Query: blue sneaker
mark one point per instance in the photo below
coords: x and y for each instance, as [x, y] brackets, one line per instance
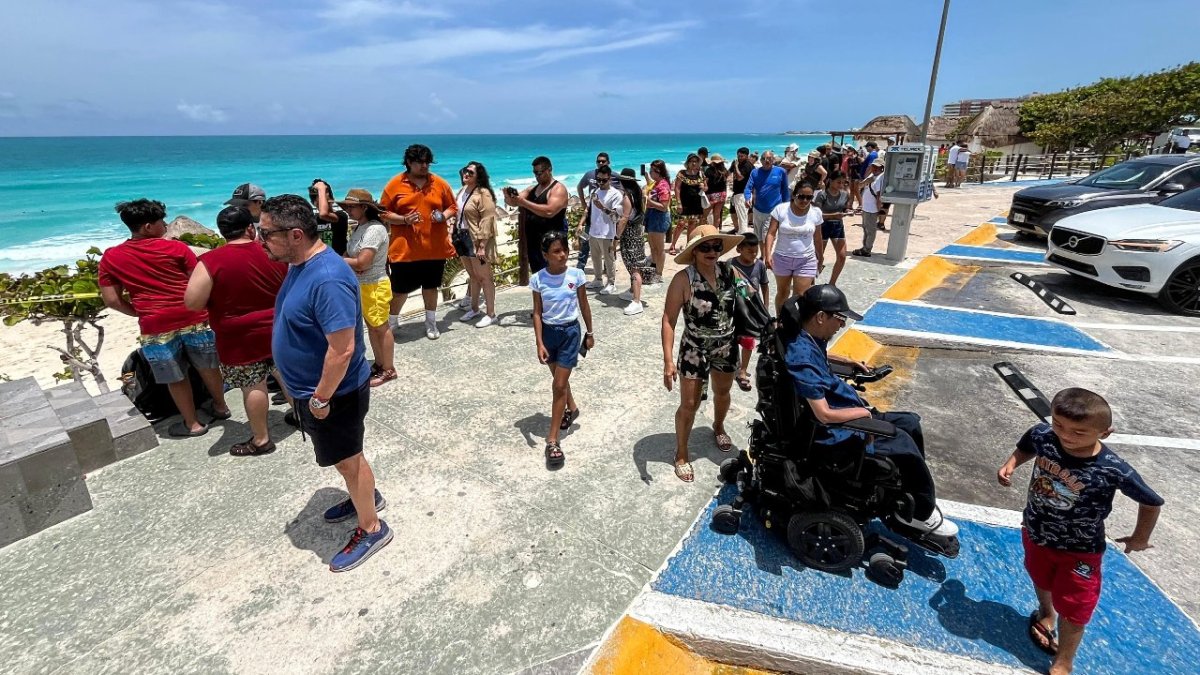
[345, 509]
[362, 545]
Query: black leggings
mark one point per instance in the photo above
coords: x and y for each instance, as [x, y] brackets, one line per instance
[907, 452]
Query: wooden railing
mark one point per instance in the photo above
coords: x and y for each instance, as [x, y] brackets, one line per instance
[983, 168]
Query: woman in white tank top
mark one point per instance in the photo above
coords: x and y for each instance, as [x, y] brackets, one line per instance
[793, 240]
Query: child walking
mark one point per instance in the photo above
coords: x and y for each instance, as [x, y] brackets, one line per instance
[755, 272]
[559, 300]
[1075, 477]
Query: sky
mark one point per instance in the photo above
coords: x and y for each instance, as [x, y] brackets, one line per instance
[199, 67]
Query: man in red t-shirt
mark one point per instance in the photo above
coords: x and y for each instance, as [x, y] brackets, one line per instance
[237, 284]
[146, 277]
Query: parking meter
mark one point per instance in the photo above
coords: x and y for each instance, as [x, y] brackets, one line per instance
[908, 174]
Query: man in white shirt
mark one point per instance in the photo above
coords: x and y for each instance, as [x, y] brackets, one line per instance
[961, 160]
[951, 171]
[609, 213]
[874, 211]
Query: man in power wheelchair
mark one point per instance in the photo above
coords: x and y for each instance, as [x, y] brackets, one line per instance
[822, 463]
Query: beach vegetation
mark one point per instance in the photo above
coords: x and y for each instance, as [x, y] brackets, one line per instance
[202, 240]
[67, 296]
[1113, 111]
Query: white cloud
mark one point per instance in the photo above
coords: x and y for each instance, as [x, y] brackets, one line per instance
[606, 46]
[441, 107]
[366, 11]
[202, 112]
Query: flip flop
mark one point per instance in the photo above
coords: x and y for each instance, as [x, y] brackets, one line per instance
[1037, 630]
[724, 442]
[180, 430]
[744, 383]
[684, 472]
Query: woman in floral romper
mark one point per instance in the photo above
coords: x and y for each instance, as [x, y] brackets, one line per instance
[704, 291]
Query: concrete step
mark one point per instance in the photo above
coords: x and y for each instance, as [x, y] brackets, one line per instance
[41, 482]
[131, 432]
[85, 424]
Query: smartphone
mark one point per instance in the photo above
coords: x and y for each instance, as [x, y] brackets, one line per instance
[643, 169]
[583, 350]
[512, 191]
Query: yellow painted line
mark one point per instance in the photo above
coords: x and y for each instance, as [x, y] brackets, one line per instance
[926, 276]
[980, 236]
[857, 345]
[637, 648]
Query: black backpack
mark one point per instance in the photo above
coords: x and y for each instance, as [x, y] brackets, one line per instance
[151, 398]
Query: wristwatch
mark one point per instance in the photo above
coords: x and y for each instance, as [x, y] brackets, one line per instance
[318, 403]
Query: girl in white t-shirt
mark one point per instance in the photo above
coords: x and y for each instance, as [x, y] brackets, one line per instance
[794, 245]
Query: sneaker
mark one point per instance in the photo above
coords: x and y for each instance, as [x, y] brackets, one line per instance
[464, 303]
[289, 418]
[383, 377]
[626, 296]
[608, 290]
[431, 331]
[485, 321]
[594, 285]
[634, 308]
[344, 509]
[470, 315]
[935, 524]
[362, 545]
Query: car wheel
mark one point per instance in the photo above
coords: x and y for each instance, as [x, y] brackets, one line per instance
[1181, 293]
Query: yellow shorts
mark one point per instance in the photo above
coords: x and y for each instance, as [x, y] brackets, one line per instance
[376, 301]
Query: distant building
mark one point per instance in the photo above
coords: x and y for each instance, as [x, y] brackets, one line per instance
[973, 106]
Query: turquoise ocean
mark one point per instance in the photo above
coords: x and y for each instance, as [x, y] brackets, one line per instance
[57, 194]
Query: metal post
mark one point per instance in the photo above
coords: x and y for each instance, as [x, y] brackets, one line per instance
[1053, 161]
[937, 59]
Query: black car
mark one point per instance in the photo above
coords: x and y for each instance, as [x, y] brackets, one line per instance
[1144, 180]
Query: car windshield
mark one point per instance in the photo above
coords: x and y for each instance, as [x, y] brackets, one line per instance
[1189, 200]
[1126, 175]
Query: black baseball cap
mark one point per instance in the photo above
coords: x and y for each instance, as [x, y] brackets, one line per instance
[232, 221]
[829, 299]
[246, 192]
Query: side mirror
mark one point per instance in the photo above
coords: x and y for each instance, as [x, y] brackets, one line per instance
[1171, 188]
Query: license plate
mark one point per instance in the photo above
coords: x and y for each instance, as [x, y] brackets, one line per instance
[1018, 217]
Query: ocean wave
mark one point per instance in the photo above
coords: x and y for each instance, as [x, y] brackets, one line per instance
[56, 250]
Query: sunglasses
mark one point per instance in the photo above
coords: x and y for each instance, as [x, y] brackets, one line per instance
[263, 233]
[601, 161]
[803, 198]
[468, 172]
[710, 247]
[839, 316]
[603, 180]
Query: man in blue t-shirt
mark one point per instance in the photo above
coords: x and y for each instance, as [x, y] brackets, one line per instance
[766, 189]
[317, 344]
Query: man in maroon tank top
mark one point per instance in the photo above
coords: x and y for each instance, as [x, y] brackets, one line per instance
[238, 283]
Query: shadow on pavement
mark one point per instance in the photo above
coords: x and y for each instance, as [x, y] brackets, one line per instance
[993, 622]
[661, 448]
[309, 531]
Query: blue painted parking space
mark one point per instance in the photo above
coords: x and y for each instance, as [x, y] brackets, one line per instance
[999, 220]
[978, 326]
[1001, 255]
[974, 606]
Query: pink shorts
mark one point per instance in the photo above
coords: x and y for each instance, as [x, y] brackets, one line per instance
[787, 266]
[716, 199]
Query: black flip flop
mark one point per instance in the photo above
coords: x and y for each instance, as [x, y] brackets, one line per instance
[1036, 629]
[554, 456]
[180, 430]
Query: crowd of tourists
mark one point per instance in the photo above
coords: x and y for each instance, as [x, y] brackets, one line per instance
[299, 282]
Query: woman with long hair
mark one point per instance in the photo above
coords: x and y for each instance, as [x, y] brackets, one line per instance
[689, 185]
[475, 240]
[633, 243]
[658, 215]
[835, 204]
[716, 174]
[814, 172]
[793, 242]
[366, 253]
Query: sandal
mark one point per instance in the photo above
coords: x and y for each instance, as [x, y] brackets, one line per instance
[222, 415]
[383, 376]
[554, 456]
[247, 448]
[180, 430]
[1043, 638]
[724, 442]
[684, 472]
[569, 418]
[743, 382]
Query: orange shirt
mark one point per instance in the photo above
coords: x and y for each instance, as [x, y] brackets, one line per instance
[425, 240]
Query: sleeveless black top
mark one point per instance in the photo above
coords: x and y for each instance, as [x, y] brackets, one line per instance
[557, 222]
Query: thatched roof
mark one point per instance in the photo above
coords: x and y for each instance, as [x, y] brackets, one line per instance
[997, 126]
[941, 128]
[888, 125]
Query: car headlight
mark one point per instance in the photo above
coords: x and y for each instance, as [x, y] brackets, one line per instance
[1145, 245]
[1065, 203]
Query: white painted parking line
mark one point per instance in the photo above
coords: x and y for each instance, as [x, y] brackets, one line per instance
[1139, 327]
[1155, 441]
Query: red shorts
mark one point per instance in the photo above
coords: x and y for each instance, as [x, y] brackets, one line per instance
[1072, 578]
[746, 342]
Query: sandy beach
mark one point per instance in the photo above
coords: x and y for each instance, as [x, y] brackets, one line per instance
[24, 351]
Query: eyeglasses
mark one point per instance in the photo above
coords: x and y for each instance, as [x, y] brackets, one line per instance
[536, 172]
[803, 198]
[603, 181]
[710, 247]
[263, 233]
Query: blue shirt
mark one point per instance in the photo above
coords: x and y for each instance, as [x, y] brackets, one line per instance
[769, 189]
[866, 164]
[1069, 497]
[318, 297]
[560, 294]
[808, 363]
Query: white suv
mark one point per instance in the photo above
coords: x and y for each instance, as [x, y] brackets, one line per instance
[1182, 139]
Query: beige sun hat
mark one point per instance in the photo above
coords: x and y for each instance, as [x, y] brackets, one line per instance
[358, 197]
[707, 233]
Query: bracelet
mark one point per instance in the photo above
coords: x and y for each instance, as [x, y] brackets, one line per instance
[588, 335]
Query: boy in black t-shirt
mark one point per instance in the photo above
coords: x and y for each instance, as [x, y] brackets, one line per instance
[1075, 477]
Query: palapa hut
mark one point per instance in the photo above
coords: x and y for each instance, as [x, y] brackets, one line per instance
[941, 129]
[998, 128]
[884, 130]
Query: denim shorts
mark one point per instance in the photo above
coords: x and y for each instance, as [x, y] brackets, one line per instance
[169, 353]
[657, 222]
[833, 229]
[562, 343]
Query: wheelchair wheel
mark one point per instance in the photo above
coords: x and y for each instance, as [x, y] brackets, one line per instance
[826, 540]
[884, 570]
[730, 469]
[726, 519]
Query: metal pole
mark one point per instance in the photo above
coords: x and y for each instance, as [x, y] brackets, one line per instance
[937, 59]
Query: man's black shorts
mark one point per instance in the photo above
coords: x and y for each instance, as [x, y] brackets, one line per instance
[340, 435]
[407, 277]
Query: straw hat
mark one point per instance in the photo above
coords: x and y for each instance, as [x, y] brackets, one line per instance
[358, 197]
[707, 233]
[716, 158]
